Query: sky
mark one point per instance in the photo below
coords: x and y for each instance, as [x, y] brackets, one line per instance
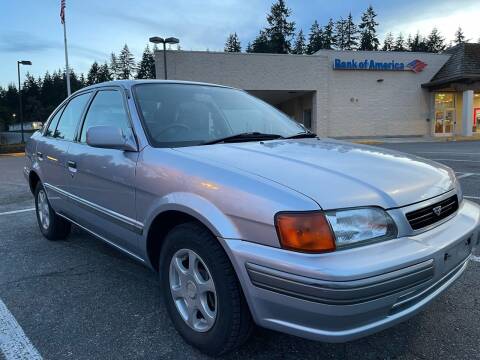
[31, 29]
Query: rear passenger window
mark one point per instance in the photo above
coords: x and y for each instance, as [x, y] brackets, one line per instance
[53, 123]
[70, 117]
[106, 110]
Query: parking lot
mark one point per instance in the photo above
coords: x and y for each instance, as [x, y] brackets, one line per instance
[80, 299]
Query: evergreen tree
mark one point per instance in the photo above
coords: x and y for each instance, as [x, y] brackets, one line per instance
[146, 68]
[93, 74]
[233, 43]
[435, 42]
[399, 43]
[315, 42]
[279, 30]
[32, 107]
[459, 36]
[340, 33]
[114, 66]
[299, 46]
[261, 44]
[351, 34]
[418, 43]
[328, 35]
[126, 63]
[368, 36]
[388, 43]
[249, 48]
[104, 73]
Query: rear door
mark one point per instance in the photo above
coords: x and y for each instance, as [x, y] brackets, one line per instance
[103, 180]
[53, 146]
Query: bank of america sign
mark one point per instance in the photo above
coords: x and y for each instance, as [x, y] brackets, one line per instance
[369, 64]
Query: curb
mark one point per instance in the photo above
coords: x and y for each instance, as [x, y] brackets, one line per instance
[16, 154]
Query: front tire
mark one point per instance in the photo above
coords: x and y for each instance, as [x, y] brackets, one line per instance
[201, 291]
[52, 226]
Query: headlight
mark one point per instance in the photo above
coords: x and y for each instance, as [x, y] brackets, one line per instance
[325, 231]
[358, 225]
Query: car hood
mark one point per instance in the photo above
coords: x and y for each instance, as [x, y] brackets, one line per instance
[333, 173]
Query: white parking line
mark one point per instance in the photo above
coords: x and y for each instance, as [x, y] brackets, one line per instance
[16, 211]
[461, 160]
[465, 175]
[444, 152]
[14, 344]
[475, 258]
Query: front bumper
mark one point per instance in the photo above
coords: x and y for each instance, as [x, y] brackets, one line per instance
[348, 294]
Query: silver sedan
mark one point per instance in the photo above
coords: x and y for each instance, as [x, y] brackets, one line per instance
[247, 216]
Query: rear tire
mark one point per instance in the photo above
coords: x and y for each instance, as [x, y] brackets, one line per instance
[226, 323]
[52, 226]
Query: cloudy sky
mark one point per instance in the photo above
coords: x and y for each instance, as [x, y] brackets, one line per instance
[31, 29]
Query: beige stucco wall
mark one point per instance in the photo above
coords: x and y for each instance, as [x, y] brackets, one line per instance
[363, 106]
[344, 102]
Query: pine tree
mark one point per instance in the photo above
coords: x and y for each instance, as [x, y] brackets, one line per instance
[126, 63]
[340, 33]
[418, 43]
[279, 30]
[315, 38]
[92, 76]
[114, 66]
[351, 34]
[233, 43]
[368, 36]
[459, 36]
[435, 42]
[399, 43]
[104, 73]
[328, 35]
[146, 68]
[388, 43]
[299, 47]
[261, 43]
[249, 48]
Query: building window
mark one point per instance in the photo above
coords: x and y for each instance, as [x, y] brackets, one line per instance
[444, 113]
[307, 118]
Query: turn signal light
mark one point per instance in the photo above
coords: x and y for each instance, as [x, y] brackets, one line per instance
[306, 232]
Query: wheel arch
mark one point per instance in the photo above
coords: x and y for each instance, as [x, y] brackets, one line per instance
[33, 180]
[186, 208]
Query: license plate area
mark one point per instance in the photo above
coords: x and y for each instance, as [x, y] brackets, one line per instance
[457, 254]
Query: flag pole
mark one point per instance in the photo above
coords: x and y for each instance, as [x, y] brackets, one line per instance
[67, 69]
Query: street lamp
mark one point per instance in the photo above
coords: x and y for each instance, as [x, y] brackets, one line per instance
[21, 62]
[159, 40]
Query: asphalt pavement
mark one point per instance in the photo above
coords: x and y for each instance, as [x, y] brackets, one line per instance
[81, 299]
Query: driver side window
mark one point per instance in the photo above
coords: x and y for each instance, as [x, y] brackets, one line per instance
[106, 109]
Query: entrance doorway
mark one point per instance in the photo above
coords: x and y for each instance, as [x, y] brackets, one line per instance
[445, 114]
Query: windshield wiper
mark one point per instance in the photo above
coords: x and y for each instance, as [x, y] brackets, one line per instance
[306, 134]
[246, 136]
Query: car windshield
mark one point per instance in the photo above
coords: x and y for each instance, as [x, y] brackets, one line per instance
[188, 114]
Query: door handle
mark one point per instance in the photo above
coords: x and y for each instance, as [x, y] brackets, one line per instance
[72, 164]
[40, 155]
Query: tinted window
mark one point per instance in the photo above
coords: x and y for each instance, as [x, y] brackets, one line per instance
[70, 117]
[106, 110]
[184, 114]
[53, 123]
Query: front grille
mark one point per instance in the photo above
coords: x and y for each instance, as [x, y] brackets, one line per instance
[431, 214]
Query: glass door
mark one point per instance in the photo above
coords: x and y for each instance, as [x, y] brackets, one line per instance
[444, 113]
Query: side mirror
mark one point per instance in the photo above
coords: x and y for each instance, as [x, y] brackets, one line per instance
[111, 137]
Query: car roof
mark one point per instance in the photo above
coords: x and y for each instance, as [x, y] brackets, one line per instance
[129, 83]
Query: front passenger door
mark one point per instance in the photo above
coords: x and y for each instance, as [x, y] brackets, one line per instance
[103, 180]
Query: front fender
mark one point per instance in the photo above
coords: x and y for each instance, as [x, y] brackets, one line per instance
[196, 206]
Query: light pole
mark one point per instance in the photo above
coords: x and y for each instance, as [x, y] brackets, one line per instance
[21, 62]
[159, 40]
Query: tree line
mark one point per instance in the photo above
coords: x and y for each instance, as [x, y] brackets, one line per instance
[43, 94]
[279, 36]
